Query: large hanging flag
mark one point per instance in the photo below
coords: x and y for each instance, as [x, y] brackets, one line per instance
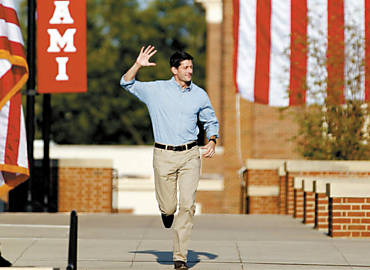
[275, 60]
[13, 75]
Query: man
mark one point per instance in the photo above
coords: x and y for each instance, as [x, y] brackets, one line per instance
[174, 106]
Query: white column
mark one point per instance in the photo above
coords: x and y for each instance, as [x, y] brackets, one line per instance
[213, 10]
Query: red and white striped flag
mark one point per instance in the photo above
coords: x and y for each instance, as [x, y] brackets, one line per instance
[13, 74]
[265, 30]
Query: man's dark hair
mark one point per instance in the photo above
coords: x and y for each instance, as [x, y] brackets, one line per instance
[178, 57]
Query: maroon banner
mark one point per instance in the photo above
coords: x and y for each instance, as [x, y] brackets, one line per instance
[61, 46]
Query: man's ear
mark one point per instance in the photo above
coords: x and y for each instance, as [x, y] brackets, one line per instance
[174, 70]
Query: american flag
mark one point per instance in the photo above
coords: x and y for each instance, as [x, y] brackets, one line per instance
[13, 75]
[273, 52]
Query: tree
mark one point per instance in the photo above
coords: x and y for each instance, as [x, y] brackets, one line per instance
[116, 30]
[328, 129]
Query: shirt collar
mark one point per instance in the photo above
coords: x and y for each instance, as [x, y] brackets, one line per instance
[187, 89]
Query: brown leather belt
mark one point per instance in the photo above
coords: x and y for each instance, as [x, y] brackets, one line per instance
[176, 148]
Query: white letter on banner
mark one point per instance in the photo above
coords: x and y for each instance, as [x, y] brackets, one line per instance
[62, 69]
[67, 40]
[61, 11]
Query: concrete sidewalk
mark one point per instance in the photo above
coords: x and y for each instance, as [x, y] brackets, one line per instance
[123, 241]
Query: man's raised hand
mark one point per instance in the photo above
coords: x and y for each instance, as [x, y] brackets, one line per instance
[141, 61]
[144, 56]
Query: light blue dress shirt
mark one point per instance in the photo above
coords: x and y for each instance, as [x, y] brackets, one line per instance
[174, 110]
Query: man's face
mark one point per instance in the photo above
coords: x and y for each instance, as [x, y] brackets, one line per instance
[185, 71]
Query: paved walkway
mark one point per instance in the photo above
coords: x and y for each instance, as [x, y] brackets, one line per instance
[120, 241]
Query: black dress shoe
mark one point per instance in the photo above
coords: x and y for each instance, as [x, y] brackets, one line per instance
[180, 265]
[167, 220]
[4, 263]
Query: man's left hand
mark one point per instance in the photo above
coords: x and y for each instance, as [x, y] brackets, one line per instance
[210, 149]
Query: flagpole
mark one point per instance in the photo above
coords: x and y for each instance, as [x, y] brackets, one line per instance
[46, 125]
[31, 92]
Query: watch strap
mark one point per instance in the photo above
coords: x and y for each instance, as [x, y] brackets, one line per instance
[214, 140]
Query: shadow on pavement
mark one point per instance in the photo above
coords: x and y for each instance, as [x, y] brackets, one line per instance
[165, 257]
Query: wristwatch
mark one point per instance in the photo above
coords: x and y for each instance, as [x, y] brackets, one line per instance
[213, 140]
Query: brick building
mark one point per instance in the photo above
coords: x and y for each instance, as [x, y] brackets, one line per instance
[248, 130]
[254, 137]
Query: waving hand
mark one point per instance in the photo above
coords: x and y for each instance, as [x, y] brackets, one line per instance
[144, 56]
[141, 61]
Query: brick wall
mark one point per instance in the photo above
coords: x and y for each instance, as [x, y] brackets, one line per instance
[262, 204]
[290, 183]
[263, 177]
[85, 185]
[309, 208]
[289, 195]
[346, 216]
[213, 71]
[321, 211]
[282, 195]
[262, 186]
[232, 191]
[349, 217]
[271, 137]
[214, 165]
[320, 188]
[298, 203]
[211, 201]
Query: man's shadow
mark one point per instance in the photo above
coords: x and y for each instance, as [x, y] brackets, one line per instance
[165, 257]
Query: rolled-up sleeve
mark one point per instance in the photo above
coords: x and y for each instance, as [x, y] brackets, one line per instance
[137, 88]
[208, 117]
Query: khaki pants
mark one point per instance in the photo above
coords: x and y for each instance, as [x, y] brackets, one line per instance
[182, 169]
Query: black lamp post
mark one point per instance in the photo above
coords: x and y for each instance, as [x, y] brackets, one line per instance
[31, 93]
